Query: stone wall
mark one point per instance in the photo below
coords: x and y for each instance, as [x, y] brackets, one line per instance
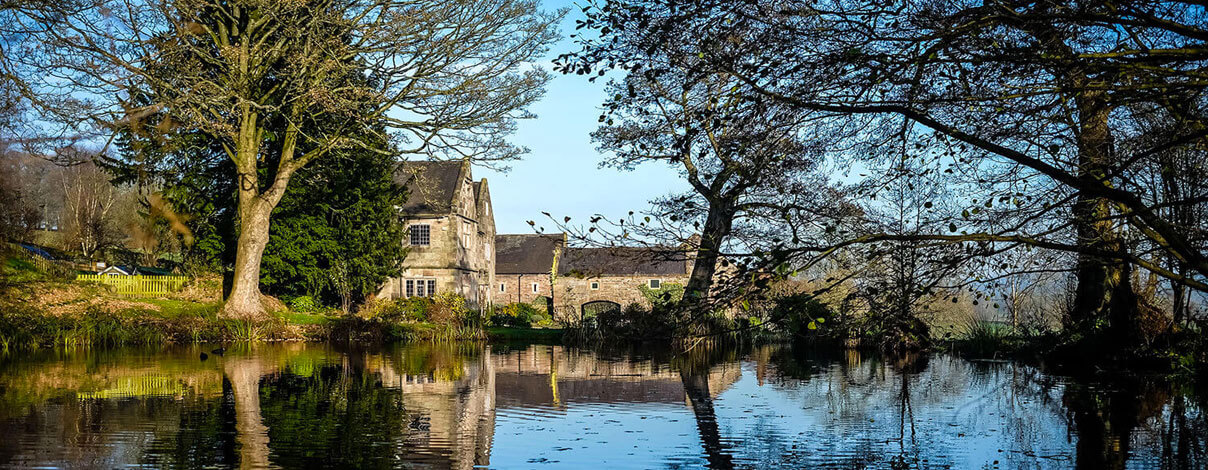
[519, 288]
[570, 293]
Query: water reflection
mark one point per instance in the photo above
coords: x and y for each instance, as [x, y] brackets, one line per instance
[462, 406]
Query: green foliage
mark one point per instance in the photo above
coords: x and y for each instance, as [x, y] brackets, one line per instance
[337, 234]
[802, 315]
[303, 303]
[449, 309]
[411, 309]
[667, 295]
[635, 321]
[22, 328]
[519, 314]
[983, 338]
[444, 317]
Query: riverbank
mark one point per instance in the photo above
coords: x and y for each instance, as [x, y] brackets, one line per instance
[39, 310]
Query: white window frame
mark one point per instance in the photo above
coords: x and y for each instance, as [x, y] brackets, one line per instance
[503, 287]
[419, 287]
[595, 285]
[651, 283]
[536, 287]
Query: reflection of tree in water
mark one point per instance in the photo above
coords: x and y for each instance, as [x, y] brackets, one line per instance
[907, 366]
[335, 418]
[1110, 420]
[205, 438]
[694, 366]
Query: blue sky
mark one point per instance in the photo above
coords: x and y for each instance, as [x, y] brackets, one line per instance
[561, 174]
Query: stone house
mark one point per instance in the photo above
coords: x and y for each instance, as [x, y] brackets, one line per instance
[454, 248]
[451, 233]
[523, 267]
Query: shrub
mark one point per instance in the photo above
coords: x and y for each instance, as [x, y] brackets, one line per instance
[635, 321]
[667, 295]
[520, 315]
[303, 303]
[515, 314]
[803, 316]
[449, 309]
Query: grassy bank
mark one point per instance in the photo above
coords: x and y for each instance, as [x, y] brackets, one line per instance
[42, 310]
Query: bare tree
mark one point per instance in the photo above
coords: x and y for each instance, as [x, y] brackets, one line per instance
[88, 204]
[1028, 102]
[283, 84]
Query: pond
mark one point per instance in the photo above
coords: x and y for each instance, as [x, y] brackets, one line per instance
[537, 406]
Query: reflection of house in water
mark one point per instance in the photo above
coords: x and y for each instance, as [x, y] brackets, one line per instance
[451, 419]
[278, 405]
[552, 375]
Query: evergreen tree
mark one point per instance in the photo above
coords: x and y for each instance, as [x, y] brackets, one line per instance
[339, 234]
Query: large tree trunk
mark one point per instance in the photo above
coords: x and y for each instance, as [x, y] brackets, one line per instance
[1103, 287]
[718, 224]
[244, 302]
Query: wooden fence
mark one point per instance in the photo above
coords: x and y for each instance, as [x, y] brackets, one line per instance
[53, 267]
[141, 286]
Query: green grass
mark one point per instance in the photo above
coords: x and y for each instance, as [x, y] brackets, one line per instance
[17, 270]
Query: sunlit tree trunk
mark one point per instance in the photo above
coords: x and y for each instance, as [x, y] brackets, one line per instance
[244, 301]
[718, 224]
[255, 207]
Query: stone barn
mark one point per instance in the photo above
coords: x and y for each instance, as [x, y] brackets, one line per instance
[591, 280]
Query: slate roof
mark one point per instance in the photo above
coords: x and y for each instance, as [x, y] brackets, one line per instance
[38, 251]
[526, 253]
[431, 185]
[622, 261]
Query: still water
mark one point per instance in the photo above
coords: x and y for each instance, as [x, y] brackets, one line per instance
[536, 406]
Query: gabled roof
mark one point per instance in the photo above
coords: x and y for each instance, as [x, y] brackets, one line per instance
[622, 261]
[431, 185]
[117, 270]
[526, 253]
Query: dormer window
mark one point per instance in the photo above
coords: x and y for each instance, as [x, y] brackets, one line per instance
[421, 235]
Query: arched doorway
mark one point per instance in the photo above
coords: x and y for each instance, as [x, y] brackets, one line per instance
[596, 307]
